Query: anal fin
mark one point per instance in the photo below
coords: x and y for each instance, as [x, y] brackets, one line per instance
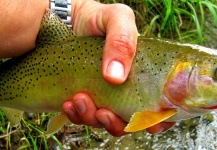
[142, 120]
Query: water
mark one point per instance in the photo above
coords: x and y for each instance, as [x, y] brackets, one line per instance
[193, 134]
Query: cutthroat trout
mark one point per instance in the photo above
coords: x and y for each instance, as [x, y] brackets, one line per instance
[169, 81]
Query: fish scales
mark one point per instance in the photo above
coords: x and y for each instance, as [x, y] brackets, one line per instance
[62, 65]
[65, 68]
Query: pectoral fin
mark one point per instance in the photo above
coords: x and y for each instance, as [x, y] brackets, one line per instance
[13, 115]
[56, 123]
[143, 120]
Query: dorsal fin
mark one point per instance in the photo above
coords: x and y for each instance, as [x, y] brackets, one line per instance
[52, 29]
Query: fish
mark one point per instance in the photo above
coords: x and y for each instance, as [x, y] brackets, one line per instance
[168, 81]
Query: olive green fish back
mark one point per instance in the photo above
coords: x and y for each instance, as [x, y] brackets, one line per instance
[52, 30]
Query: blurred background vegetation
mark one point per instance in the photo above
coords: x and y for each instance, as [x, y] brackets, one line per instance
[190, 21]
[182, 20]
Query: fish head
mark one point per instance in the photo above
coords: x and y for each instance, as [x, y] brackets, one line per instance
[193, 85]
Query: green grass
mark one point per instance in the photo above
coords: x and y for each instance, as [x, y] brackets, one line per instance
[29, 134]
[182, 20]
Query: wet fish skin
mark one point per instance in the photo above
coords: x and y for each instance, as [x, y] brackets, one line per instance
[62, 65]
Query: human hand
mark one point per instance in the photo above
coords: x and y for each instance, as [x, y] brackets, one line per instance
[117, 23]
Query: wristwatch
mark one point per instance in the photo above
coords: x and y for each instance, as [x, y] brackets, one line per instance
[63, 9]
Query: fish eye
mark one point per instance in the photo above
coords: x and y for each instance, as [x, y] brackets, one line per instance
[214, 73]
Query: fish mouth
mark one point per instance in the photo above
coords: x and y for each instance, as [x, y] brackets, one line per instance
[209, 108]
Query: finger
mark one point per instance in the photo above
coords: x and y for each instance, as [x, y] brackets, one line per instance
[83, 110]
[71, 113]
[161, 127]
[120, 46]
[111, 122]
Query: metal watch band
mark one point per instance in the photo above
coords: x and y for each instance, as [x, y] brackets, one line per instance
[63, 9]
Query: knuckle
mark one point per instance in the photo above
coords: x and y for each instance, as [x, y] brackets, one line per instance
[124, 8]
[124, 46]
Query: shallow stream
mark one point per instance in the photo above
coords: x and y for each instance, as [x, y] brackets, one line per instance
[193, 134]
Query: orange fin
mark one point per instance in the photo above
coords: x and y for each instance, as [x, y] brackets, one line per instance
[143, 120]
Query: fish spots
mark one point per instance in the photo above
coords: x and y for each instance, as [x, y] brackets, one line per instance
[139, 97]
[15, 77]
[156, 59]
[50, 61]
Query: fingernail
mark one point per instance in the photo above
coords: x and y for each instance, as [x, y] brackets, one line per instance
[70, 112]
[115, 69]
[80, 106]
[105, 121]
[68, 108]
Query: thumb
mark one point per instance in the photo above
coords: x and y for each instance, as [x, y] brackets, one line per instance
[120, 46]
